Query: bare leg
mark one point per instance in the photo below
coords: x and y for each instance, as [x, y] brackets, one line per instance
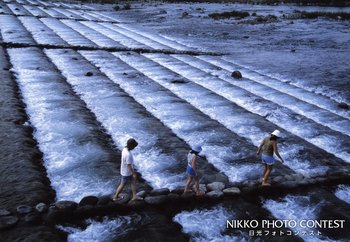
[198, 192]
[265, 170]
[267, 174]
[119, 189]
[133, 189]
[188, 183]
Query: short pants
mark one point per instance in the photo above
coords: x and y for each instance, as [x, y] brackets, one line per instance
[190, 171]
[269, 160]
[126, 179]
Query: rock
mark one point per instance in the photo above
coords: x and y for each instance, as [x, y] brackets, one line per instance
[141, 194]
[216, 186]
[343, 105]
[231, 191]
[161, 191]
[178, 81]
[236, 74]
[298, 177]
[156, 200]
[320, 179]
[124, 198]
[221, 178]
[216, 194]
[178, 190]
[173, 197]
[137, 203]
[278, 179]
[41, 208]
[288, 178]
[89, 73]
[187, 196]
[89, 200]
[66, 205]
[32, 218]
[4, 212]
[7, 222]
[104, 200]
[184, 14]
[162, 11]
[23, 209]
[289, 184]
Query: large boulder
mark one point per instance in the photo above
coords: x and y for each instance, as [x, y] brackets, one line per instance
[124, 198]
[66, 205]
[216, 194]
[156, 200]
[232, 191]
[216, 186]
[33, 218]
[158, 192]
[89, 200]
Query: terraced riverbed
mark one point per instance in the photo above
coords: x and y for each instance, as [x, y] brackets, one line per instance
[78, 80]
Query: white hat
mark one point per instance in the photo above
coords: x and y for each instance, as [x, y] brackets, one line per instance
[197, 148]
[276, 133]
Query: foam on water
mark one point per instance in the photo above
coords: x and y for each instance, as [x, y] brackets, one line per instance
[343, 193]
[62, 133]
[103, 231]
[296, 208]
[207, 224]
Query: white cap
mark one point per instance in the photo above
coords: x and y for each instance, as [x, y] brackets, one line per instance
[276, 133]
[197, 148]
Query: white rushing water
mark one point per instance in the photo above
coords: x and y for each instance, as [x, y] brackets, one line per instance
[207, 224]
[297, 208]
[109, 229]
[343, 193]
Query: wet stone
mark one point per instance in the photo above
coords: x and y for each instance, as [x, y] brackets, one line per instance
[156, 200]
[178, 81]
[89, 73]
[7, 222]
[173, 197]
[89, 200]
[298, 177]
[141, 194]
[288, 178]
[136, 203]
[289, 184]
[24, 209]
[32, 218]
[178, 190]
[320, 179]
[124, 198]
[231, 191]
[216, 186]
[104, 200]
[4, 212]
[236, 74]
[343, 105]
[161, 191]
[66, 205]
[216, 194]
[41, 208]
[278, 179]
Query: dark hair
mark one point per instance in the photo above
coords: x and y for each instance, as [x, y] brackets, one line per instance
[194, 152]
[273, 137]
[131, 143]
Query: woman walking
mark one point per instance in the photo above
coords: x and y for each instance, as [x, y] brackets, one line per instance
[269, 147]
[192, 170]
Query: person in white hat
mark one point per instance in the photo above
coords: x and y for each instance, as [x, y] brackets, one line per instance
[192, 170]
[269, 147]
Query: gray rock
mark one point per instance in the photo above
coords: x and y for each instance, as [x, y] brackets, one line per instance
[124, 198]
[141, 194]
[231, 191]
[104, 200]
[4, 212]
[216, 186]
[236, 74]
[158, 192]
[290, 184]
[89, 73]
[41, 208]
[136, 203]
[173, 197]
[216, 194]
[298, 177]
[7, 222]
[89, 200]
[24, 209]
[156, 200]
[343, 105]
[288, 178]
[66, 205]
[278, 179]
[178, 190]
[33, 218]
[321, 179]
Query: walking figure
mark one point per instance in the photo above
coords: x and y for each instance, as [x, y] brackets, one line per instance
[127, 172]
[269, 148]
[192, 170]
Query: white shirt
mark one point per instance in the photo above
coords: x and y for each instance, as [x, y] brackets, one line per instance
[127, 159]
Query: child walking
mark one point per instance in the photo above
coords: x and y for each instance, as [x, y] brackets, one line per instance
[192, 170]
[128, 174]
